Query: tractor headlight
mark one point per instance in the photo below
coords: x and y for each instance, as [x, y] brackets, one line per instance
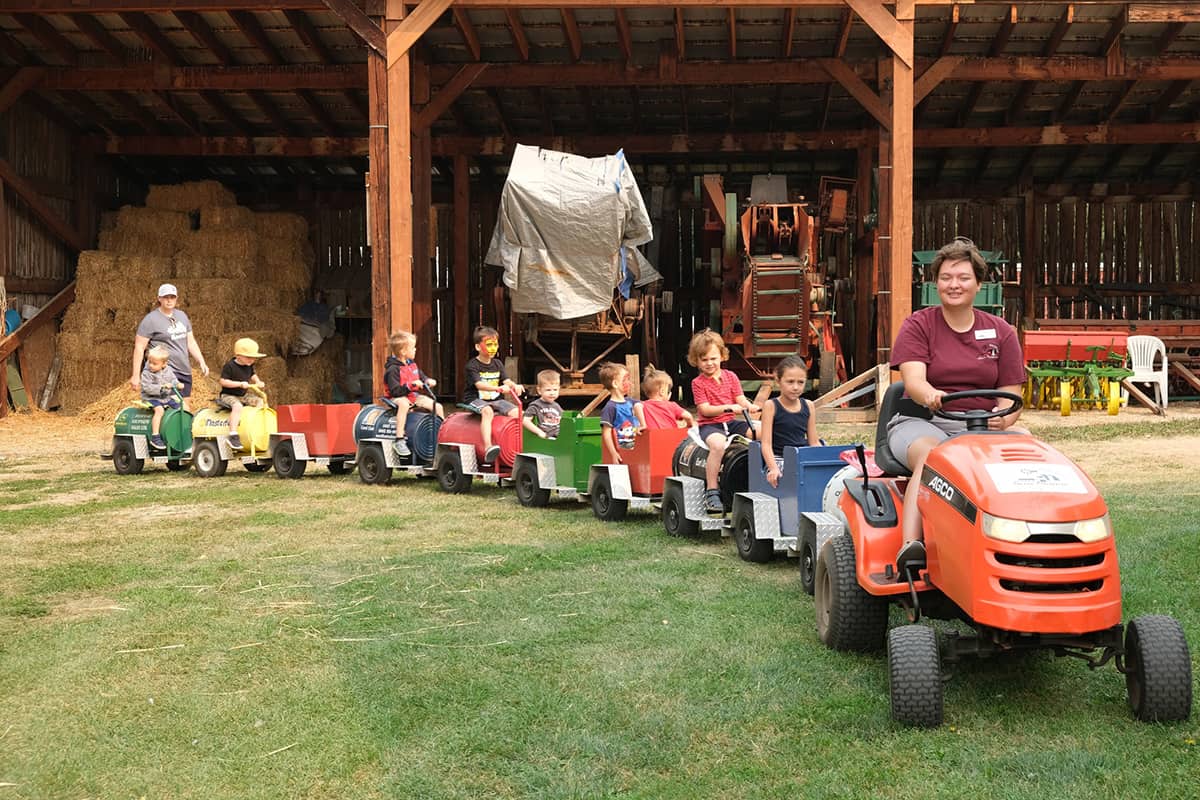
[1093, 530]
[1006, 530]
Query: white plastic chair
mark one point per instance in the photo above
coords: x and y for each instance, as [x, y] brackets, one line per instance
[1142, 352]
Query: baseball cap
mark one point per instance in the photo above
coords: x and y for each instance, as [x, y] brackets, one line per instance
[247, 348]
[167, 289]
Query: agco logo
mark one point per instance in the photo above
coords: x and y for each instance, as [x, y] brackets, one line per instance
[942, 488]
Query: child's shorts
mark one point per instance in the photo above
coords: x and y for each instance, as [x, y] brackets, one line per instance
[244, 399]
[726, 429]
[163, 402]
[501, 406]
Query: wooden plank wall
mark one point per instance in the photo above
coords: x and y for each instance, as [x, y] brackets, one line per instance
[1118, 258]
[41, 152]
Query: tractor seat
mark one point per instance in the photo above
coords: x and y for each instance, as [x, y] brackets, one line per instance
[894, 402]
[222, 404]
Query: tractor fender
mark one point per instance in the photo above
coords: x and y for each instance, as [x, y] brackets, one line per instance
[466, 456]
[765, 511]
[544, 464]
[618, 480]
[818, 527]
[298, 440]
[692, 492]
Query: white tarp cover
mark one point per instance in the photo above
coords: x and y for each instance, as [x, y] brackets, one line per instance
[567, 228]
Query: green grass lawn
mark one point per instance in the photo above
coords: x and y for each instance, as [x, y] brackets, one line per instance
[167, 636]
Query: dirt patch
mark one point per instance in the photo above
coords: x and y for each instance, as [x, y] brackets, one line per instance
[84, 607]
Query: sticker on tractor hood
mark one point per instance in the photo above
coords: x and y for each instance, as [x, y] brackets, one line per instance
[946, 490]
[1012, 477]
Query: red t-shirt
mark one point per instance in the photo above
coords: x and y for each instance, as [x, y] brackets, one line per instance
[724, 393]
[985, 357]
[661, 413]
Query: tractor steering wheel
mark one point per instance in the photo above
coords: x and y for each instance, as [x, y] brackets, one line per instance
[976, 419]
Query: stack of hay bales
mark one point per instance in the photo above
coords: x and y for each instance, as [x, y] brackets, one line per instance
[239, 273]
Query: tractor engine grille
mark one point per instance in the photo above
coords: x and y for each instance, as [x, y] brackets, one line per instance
[1021, 454]
[1090, 560]
[1052, 588]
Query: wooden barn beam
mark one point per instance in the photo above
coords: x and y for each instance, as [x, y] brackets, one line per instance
[471, 39]
[218, 103]
[948, 34]
[192, 79]
[40, 208]
[933, 75]
[858, 89]
[445, 98]
[406, 34]
[112, 6]
[732, 33]
[1007, 26]
[681, 38]
[886, 27]
[378, 228]
[624, 35]
[349, 12]
[153, 38]
[460, 281]
[516, 29]
[205, 36]
[789, 31]
[143, 118]
[308, 34]
[100, 36]
[900, 134]
[49, 36]
[181, 114]
[1164, 12]
[25, 79]
[1052, 44]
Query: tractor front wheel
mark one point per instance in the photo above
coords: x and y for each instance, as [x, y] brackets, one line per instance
[450, 474]
[848, 618]
[604, 505]
[372, 466]
[674, 516]
[808, 564]
[286, 463]
[915, 676]
[207, 458]
[529, 492]
[749, 546]
[1158, 669]
[125, 460]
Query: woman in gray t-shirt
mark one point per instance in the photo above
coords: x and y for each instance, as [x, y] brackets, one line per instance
[170, 327]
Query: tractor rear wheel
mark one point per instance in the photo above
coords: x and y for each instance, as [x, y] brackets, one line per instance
[674, 516]
[808, 565]
[749, 546]
[125, 460]
[206, 456]
[847, 617]
[450, 474]
[529, 492]
[604, 505]
[372, 466]
[286, 463]
[1158, 669]
[915, 676]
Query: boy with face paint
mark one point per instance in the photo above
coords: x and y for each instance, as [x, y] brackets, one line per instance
[486, 383]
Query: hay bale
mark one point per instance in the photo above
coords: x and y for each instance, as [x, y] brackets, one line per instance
[95, 264]
[108, 220]
[220, 243]
[153, 221]
[134, 243]
[224, 217]
[281, 225]
[190, 196]
[192, 265]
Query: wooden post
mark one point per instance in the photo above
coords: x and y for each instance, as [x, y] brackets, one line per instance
[461, 279]
[883, 255]
[900, 265]
[85, 190]
[400, 194]
[1031, 258]
[422, 189]
[377, 199]
[864, 273]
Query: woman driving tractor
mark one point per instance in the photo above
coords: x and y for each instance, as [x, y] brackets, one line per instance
[953, 347]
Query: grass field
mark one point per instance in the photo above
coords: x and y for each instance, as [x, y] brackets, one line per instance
[166, 636]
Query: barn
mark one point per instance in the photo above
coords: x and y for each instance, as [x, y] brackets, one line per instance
[263, 150]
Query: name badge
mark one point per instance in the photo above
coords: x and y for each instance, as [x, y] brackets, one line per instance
[986, 333]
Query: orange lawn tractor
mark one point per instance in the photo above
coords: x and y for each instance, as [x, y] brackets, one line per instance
[1018, 545]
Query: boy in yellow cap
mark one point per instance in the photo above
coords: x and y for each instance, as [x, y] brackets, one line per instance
[236, 377]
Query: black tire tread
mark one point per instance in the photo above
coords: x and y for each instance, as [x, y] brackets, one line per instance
[536, 497]
[858, 620]
[915, 676]
[1163, 666]
[756, 551]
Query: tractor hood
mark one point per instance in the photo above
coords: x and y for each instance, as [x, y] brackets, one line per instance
[1014, 476]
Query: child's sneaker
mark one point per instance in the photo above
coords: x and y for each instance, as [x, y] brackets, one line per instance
[235, 441]
[156, 441]
[489, 456]
[712, 502]
[401, 447]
